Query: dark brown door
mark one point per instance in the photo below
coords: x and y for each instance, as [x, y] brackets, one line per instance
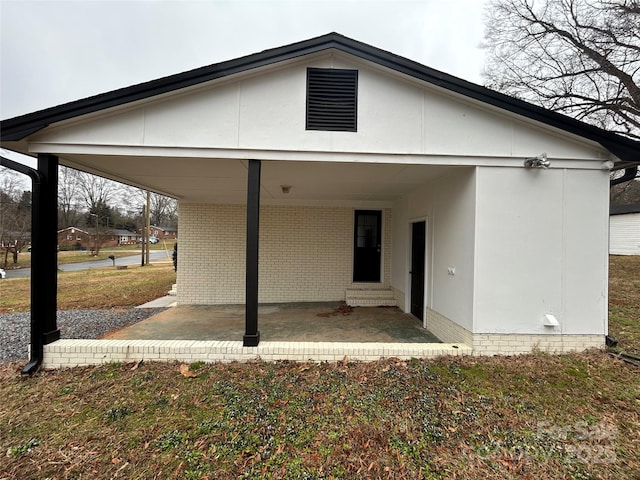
[367, 246]
[418, 237]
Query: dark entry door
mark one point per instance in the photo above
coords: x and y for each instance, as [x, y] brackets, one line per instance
[418, 235]
[367, 246]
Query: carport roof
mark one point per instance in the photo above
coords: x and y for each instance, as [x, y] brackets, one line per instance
[18, 128]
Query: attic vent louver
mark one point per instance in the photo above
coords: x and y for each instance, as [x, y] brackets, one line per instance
[332, 99]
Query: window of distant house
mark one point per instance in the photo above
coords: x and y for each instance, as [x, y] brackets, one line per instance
[69, 237]
[332, 99]
[78, 238]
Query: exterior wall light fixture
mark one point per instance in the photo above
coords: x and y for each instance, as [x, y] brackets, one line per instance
[285, 188]
[537, 162]
[608, 165]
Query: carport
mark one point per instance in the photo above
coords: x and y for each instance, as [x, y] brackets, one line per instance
[331, 170]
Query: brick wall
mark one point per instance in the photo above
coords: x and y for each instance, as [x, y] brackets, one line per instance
[502, 344]
[447, 330]
[211, 254]
[73, 353]
[306, 253]
[508, 344]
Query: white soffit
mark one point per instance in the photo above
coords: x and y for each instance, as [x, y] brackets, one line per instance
[225, 180]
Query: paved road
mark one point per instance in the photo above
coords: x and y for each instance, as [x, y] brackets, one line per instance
[154, 255]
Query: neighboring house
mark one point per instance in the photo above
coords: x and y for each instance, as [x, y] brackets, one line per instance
[125, 237]
[73, 238]
[332, 170]
[624, 230]
[113, 237]
[164, 233]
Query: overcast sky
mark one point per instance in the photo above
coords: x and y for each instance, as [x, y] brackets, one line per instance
[53, 52]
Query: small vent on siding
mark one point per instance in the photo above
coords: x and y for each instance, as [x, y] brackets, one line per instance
[332, 99]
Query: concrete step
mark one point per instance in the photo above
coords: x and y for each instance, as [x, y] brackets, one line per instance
[377, 292]
[370, 297]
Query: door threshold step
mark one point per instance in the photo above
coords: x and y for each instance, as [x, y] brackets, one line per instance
[371, 302]
[370, 297]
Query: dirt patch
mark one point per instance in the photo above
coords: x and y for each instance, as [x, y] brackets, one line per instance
[342, 309]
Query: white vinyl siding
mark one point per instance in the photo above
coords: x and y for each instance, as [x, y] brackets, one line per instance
[624, 234]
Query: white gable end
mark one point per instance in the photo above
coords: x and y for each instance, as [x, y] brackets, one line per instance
[266, 111]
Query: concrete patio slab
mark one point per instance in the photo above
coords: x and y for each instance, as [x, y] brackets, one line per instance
[296, 332]
[290, 322]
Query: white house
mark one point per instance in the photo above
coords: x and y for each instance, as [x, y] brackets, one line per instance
[624, 230]
[374, 178]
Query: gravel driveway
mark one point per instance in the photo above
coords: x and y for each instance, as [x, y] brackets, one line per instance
[14, 327]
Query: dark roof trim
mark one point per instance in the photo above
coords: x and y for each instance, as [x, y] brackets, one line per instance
[18, 134]
[20, 127]
[624, 209]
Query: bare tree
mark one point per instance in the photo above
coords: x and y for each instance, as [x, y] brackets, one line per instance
[163, 209]
[578, 57]
[9, 180]
[69, 213]
[94, 191]
[15, 215]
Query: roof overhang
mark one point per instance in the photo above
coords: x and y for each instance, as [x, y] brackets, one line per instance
[14, 132]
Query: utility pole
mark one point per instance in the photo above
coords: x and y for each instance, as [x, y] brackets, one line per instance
[97, 234]
[144, 241]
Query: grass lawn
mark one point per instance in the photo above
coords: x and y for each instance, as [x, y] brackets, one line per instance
[532, 416]
[624, 302]
[95, 288]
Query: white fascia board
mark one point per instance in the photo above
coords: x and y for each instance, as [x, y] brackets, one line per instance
[303, 156]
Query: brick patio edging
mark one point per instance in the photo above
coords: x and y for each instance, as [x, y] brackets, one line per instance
[73, 353]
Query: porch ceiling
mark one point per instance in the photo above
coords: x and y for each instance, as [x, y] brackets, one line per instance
[211, 180]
